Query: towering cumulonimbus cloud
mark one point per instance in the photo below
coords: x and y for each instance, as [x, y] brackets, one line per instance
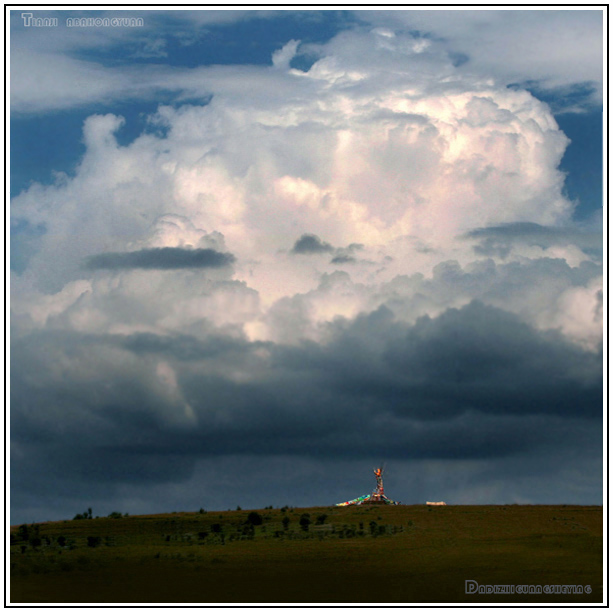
[378, 243]
[400, 156]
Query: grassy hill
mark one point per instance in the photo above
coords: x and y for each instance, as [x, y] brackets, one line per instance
[358, 554]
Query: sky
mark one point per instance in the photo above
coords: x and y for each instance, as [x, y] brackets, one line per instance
[254, 254]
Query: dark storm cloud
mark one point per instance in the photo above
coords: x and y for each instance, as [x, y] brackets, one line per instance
[488, 360]
[184, 347]
[475, 383]
[309, 244]
[472, 383]
[475, 358]
[498, 240]
[165, 258]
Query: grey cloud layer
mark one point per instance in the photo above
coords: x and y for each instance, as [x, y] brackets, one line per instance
[471, 383]
[165, 258]
[308, 243]
[498, 240]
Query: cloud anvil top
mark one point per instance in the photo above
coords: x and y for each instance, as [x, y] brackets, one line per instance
[314, 239]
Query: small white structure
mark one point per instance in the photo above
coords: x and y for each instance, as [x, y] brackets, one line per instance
[436, 504]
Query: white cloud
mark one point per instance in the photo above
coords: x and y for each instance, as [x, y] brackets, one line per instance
[398, 156]
[556, 47]
[282, 57]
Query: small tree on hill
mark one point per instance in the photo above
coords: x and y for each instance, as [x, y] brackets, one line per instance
[305, 521]
[254, 518]
[23, 533]
[86, 515]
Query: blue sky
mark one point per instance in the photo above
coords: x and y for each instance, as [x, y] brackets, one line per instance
[306, 221]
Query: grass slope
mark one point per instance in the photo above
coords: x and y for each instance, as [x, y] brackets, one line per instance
[386, 554]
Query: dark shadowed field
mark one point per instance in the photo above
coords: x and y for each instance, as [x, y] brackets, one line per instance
[389, 554]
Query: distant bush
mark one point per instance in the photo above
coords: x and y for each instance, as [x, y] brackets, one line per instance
[321, 519]
[115, 515]
[254, 518]
[305, 521]
[23, 533]
[86, 515]
[27, 533]
[285, 522]
[248, 530]
[216, 528]
[202, 511]
[93, 541]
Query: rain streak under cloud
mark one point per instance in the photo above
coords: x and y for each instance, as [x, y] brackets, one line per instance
[361, 250]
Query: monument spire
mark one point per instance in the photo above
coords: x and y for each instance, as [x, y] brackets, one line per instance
[376, 497]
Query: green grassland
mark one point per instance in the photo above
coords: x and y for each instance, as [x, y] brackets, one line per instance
[357, 554]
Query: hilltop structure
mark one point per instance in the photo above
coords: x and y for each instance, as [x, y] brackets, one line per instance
[376, 497]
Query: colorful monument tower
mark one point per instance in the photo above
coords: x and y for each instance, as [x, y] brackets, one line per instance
[376, 497]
